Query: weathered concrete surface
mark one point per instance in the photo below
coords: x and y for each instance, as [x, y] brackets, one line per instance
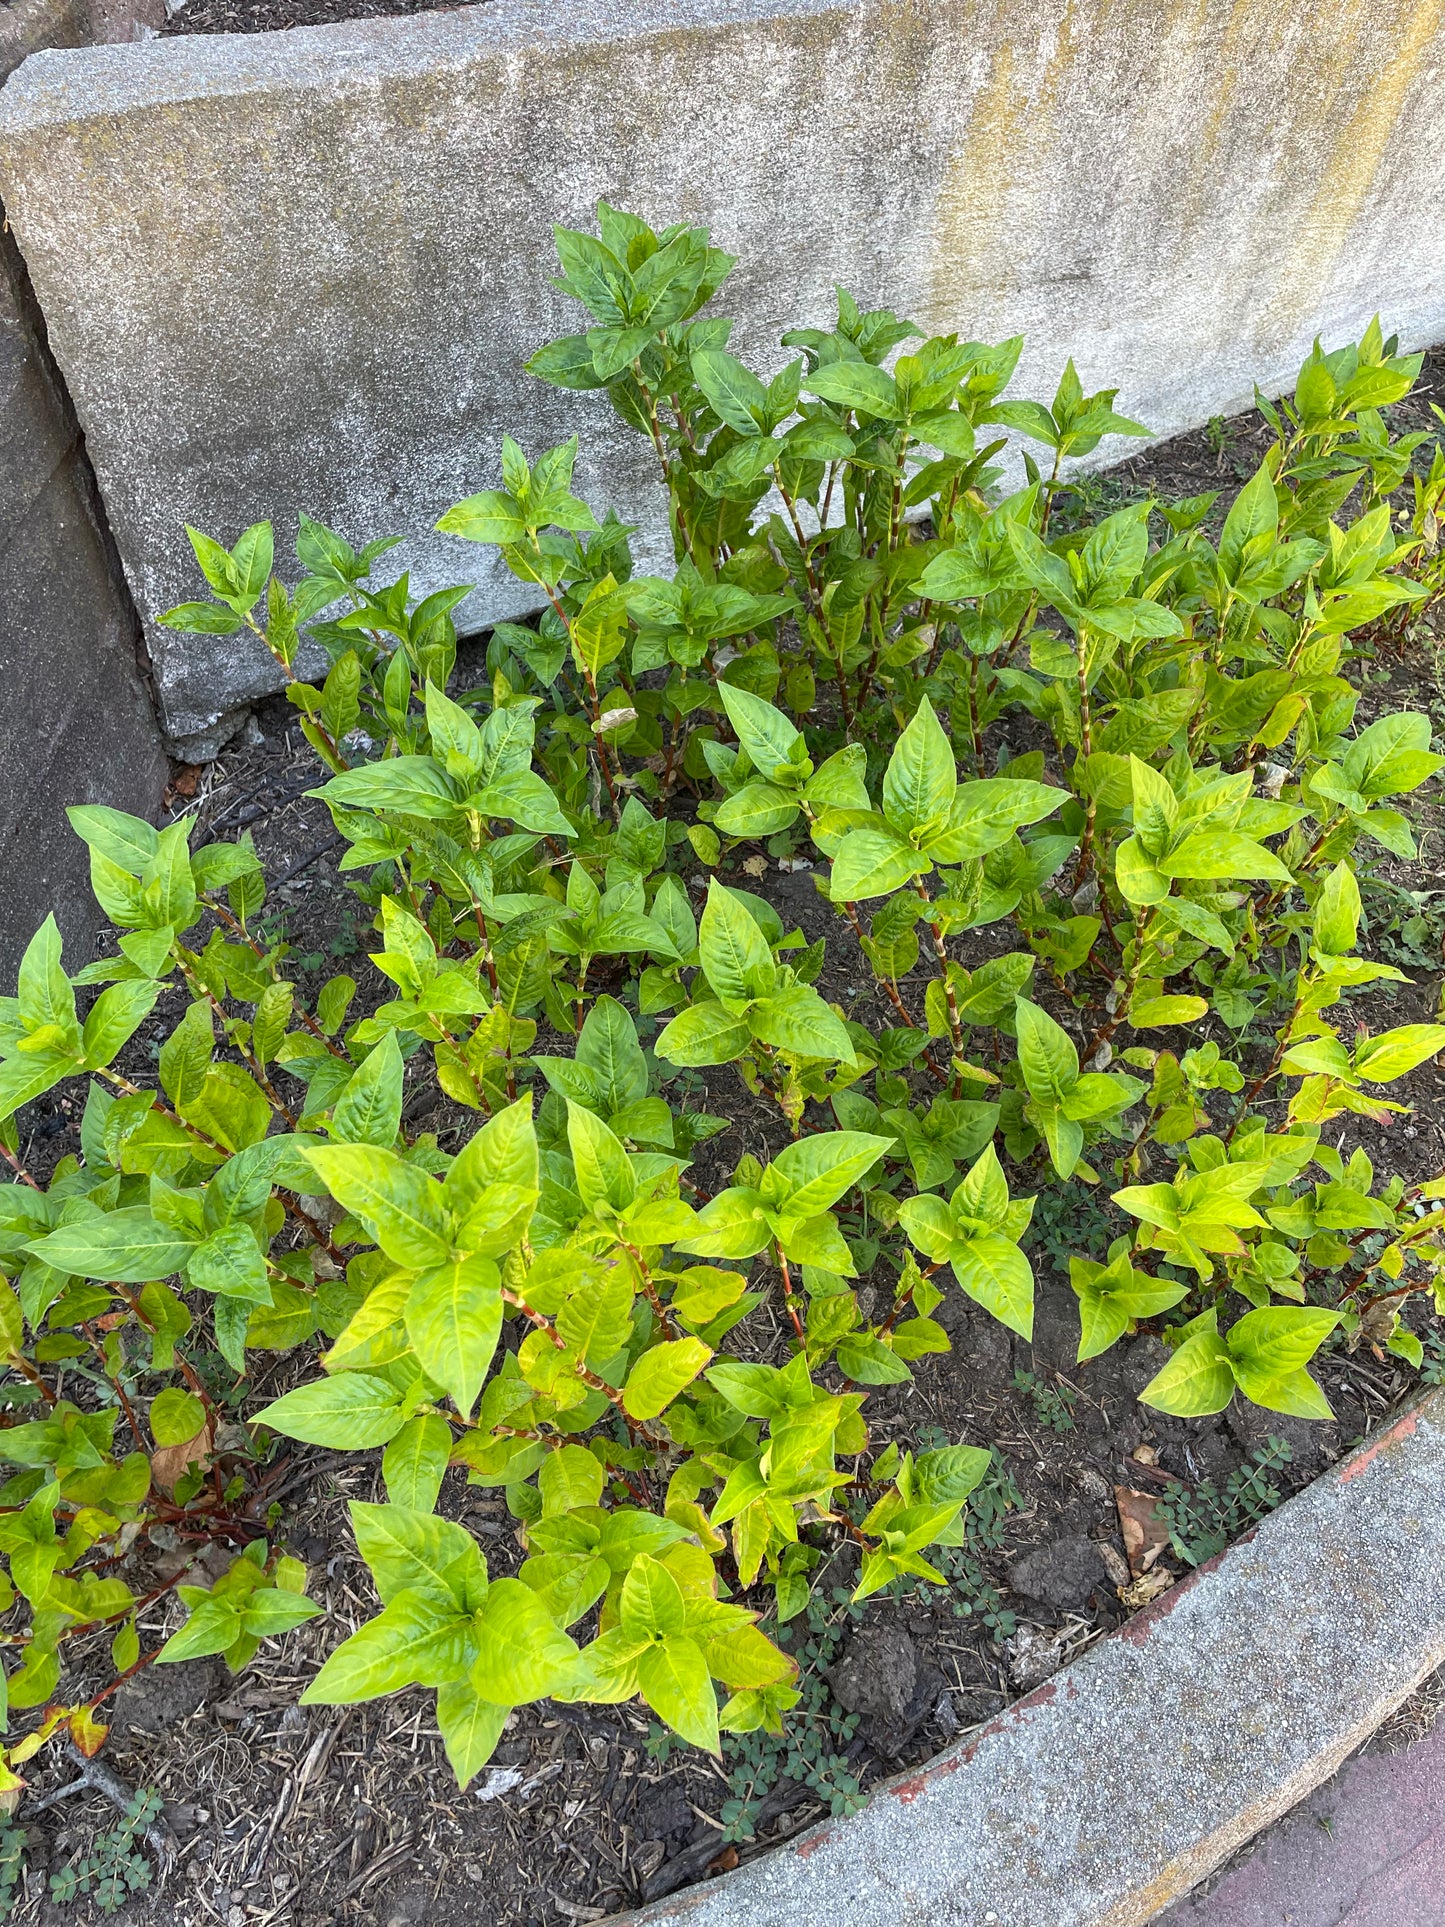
[1365, 1850]
[76, 722]
[1121, 1783]
[302, 270]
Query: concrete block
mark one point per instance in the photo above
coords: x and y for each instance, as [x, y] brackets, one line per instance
[1121, 1783]
[77, 724]
[302, 270]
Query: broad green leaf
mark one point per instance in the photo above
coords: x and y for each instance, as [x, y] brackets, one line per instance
[1156, 808]
[983, 1194]
[349, 1409]
[1337, 912]
[815, 1241]
[454, 735]
[45, 995]
[812, 1174]
[733, 1225]
[410, 1550]
[660, 1374]
[1102, 1320]
[124, 840]
[1394, 1052]
[369, 1109]
[1223, 853]
[873, 863]
[1139, 878]
[734, 952]
[596, 1319]
[856, 384]
[399, 1205]
[765, 733]
[175, 1416]
[604, 1173]
[114, 1018]
[996, 1275]
[503, 1151]
[413, 1641]
[929, 1225]
[129, 1246]
[733, 392]
[569, 1478]
[522, 1654]
[798, 1020]
[984, 815]
[652, 1604]
[491, 515]
[1047, 1055]
[411, 785]
[701, 1035]
[1277, 1340]
[1253, 517]
[608, 1047]
[214, 1625]
[470, 1726]
[1198, 1379]
[920, 780]
[453, 1319]
[1295, 1393]
[1148, 1013]
[415, 1462]
[1153, 1203]
[674, 1679]
[757, 810]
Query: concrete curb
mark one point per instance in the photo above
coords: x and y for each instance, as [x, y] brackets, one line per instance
[328, 250]
[1120, 1784]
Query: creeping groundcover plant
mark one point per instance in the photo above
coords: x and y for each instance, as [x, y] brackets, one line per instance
[1124, 955]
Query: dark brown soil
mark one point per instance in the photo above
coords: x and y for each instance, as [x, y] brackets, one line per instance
[269, 16]
[317, 1817]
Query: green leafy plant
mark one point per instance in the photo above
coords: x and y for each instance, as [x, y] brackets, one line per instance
[556, 1306]
[1204, 1519]
[114, 1867]
[1052, 1406]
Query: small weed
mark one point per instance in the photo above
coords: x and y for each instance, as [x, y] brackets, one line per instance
[1070, 1219]
[1216, 434]
[1204, 1520]
[1087, 498]
[812, 1753]
[1053, 1405]
[12, 1865]
[115, 1867]
[1407, 926]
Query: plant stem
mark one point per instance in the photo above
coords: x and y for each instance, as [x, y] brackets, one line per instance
[940, 950]
[788, 1303]
[1136, 969]
[890, 990]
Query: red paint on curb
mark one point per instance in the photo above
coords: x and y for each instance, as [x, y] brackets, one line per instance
[1403, 1428]
[806, 1848]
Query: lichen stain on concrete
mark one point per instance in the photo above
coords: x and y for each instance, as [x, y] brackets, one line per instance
[1359, 147]
[1401, 1430]
[972, 196]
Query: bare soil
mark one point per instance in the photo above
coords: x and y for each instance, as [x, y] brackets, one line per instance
[318, 1817]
